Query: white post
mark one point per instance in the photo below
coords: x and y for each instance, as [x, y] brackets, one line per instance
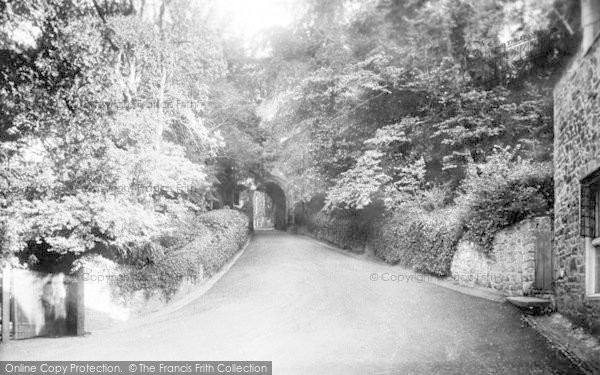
[6, 290]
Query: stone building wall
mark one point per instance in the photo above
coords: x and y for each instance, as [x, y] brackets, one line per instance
[510, 267]
[576, 154]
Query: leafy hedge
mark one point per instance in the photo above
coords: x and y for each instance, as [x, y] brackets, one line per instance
[345, 229]
[423, 234]
[503, 192]
[230, 231]
[423, 241]
[217, 236]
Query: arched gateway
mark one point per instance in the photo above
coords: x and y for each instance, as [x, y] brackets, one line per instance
[269, 203]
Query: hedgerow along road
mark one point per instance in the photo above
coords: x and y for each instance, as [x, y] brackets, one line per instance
[312, 309]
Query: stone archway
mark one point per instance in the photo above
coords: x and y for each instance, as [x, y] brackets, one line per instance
[271, 197]
[263, 214]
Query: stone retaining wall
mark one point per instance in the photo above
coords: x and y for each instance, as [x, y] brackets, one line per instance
[510, 267]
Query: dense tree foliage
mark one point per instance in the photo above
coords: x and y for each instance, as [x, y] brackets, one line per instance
[108, 126]
[397, 97]
[119, 119]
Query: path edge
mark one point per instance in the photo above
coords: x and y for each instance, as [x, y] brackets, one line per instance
[198, 292]
[447, 283]
[574, 354]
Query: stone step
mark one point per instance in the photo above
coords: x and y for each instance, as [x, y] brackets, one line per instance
[531, 304]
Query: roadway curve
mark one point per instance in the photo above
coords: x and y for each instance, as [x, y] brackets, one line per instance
[314, 310]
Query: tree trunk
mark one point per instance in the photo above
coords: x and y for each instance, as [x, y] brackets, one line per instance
[161, 113]
[163, 81]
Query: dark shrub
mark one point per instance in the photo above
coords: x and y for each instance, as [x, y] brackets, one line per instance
[503, 192]
[344, 229]
[348, 229]
[218, 235]
[303, 211]
[230, 231]
[424, 241]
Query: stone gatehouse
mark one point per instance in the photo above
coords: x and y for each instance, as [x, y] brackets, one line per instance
[577, 180]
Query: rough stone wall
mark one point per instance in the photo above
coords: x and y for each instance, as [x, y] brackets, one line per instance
[510, 267]
[576, 154]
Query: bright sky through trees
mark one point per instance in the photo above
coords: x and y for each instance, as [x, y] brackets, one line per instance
[247, 18]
